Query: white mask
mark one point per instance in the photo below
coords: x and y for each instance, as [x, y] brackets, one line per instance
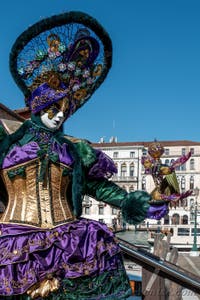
[54, 116]
[53, 123]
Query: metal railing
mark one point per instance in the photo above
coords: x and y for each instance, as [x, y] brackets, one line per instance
[161, 267]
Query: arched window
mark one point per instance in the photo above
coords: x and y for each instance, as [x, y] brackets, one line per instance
[167, 162]
[185, 219]
[172, 160]
[123, 170]
[175, 219]
[132, 169]
[192, 166]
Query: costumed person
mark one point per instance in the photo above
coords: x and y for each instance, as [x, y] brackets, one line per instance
[46, 249]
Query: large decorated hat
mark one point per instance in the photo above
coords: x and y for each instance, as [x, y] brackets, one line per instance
[67, 55]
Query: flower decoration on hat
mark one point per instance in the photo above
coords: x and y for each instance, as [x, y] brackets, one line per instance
[65, 56]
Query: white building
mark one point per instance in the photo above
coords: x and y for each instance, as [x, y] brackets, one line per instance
[131, 176]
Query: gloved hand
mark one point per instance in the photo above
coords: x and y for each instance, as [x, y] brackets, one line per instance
[157, 211]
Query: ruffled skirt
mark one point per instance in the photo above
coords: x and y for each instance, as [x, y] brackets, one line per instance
[83, 256]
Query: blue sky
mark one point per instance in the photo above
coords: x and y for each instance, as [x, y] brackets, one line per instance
[153, 88]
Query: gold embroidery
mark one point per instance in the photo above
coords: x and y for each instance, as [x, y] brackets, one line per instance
[18, 284]
[32, 203]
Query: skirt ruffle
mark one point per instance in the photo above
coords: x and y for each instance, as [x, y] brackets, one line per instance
[69, 252]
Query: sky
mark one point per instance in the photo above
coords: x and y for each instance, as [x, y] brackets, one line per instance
[153, 88]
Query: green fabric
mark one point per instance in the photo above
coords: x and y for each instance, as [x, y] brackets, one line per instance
[106, 191]
[2, 133]
[134, 205]
[107, 286]
[86, 152]
[21, 171]
[10, 140]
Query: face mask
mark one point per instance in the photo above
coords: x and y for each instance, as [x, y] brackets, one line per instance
[54, 116]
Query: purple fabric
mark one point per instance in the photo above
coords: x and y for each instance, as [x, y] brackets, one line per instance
[157, 211]
[29, 151]
[176, 197]
[44, 96]
[180, 161]
[84, 42]
[104, 166]
[28, 254]
[21, 154]
[62, 152]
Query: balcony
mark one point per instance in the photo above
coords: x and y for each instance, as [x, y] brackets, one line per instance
[125, 178]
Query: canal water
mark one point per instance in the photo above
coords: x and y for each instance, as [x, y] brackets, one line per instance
[138, 238]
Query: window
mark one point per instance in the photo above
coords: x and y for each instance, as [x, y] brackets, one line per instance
[132, 170]
[143, 183]
[183, 183]
[114, 211]
[101, 209]
[144, 151]
[172, 160]
[131, 189]
[166, 219]
[183, 151]
[185, 219]
[192, 151]
[101, 220]
[166, 151]
[183, 167]
[123, 170]
[192, 164]
[191, 202]
[167, 162]
[132, 154]
[197, 231]
[115, 154]
[183, 231]
[87, 210]
[184, 202]
[175, 219]
[192, 183]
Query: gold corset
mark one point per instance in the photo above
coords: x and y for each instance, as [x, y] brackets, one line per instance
[42, 204]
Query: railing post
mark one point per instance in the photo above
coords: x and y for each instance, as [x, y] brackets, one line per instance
[153, 286]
